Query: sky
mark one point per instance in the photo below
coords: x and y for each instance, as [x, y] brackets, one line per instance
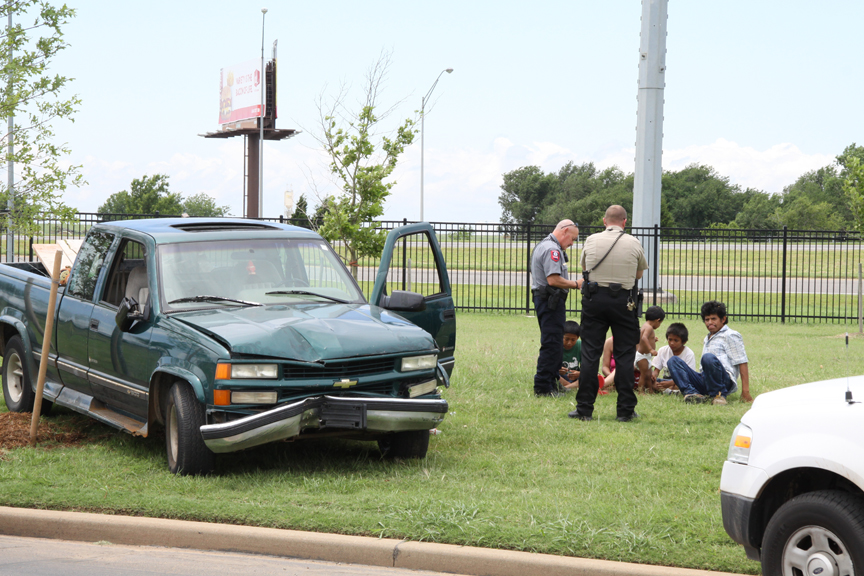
[762, 90]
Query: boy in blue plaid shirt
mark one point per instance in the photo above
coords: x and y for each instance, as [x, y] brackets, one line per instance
[723, 360]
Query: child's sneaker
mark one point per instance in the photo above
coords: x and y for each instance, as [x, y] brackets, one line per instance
[719, 401]
[695, 399]
[672, 392]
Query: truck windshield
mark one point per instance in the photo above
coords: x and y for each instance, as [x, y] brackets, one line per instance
[243, 272]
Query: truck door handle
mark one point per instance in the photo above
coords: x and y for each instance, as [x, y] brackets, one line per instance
[94, 324]
[449, 314]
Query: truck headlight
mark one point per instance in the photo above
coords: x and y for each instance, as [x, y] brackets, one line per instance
[739, 447]
[226, 371]
[426, 362]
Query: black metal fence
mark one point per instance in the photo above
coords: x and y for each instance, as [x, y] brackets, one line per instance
[774, 275]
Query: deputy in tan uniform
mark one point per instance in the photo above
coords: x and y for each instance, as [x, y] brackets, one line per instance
[612, 262]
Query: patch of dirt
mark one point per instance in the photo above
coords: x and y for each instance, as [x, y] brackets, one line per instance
[15, 432]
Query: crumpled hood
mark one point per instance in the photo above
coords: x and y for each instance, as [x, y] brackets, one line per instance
[310, 332]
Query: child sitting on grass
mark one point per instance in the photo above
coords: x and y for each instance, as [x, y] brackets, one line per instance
[645, 349]
[569, 372]
[676, 338]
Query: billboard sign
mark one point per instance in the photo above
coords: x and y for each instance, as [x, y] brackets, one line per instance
[240, 92]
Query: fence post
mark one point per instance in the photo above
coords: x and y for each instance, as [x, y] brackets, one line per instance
[528, 269]
[656, 270]
[783, 278]
[404, 257]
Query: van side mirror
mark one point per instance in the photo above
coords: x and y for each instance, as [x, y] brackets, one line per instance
[128, 313]
[404, 301]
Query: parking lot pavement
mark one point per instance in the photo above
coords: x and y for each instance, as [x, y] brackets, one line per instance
[371, 553]
[42, 557]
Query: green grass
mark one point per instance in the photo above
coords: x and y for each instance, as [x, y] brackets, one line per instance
[508, 471]
[752, 260]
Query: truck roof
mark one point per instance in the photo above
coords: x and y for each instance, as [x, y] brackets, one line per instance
[173, 230]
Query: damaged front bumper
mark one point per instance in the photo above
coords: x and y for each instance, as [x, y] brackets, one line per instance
[330, 412]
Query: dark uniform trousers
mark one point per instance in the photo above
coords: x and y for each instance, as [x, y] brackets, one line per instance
[605, 309]
[551, 343]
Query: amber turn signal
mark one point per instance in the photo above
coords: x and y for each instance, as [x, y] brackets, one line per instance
[222, 397]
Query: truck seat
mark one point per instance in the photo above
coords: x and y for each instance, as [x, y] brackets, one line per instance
[136, 285]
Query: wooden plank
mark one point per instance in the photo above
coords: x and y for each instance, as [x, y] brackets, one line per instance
[46, 254]
[70, 248]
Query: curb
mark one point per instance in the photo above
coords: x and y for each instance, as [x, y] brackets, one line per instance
[384, 552]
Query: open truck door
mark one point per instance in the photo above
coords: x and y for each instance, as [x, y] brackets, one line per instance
[412, 280]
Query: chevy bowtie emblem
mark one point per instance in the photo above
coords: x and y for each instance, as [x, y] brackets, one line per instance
[345, 383]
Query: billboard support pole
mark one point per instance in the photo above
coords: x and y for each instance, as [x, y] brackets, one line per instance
[253, 207]
[261, 124]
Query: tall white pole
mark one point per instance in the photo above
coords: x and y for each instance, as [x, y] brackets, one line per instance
[649, 127]
[261, 124]
[422, 145]
[10, 202]
[422, 132]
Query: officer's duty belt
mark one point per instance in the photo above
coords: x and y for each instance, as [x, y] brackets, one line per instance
[613, 293]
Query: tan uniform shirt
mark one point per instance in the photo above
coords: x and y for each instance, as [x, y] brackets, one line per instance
[622, 264]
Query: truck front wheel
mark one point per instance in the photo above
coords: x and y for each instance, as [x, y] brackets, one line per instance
[17, 388]
[815, 533]
[413, 444]
[184, 416]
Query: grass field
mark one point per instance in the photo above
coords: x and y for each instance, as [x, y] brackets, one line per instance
[752, 260]
[508, 471]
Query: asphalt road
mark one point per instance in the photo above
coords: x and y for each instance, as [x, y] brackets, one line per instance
[43, 557]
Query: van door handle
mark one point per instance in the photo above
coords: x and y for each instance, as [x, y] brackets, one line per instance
[94, 324]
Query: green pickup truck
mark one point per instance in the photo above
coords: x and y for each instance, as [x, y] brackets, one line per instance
[233, 333]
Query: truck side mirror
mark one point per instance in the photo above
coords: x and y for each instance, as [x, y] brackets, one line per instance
[404, 301]
[127, 314]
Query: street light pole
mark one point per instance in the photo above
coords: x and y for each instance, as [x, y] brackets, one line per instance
[422, 130]
[261, 124]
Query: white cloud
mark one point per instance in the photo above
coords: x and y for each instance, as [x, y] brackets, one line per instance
[768, 170]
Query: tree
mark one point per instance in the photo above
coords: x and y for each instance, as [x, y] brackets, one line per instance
[698, 197]
[147, 195]
[802, 213]
[204, 206]
[33, 97]
[299, 217]
[853, 188]
[759, 212]
[360, 165]
[525, 190]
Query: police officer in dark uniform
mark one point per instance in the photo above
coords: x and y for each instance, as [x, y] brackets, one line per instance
[612, 262]
[549, 286]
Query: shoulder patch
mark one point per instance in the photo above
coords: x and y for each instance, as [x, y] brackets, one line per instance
[555, 255]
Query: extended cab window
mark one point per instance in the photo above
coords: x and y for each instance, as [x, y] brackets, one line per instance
[91, 256]
[128, 275]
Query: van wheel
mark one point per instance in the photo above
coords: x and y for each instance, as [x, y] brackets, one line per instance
[815, 533]
[412, 444]
[184, 416]
[17, 387]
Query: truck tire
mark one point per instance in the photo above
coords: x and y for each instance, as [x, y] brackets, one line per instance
[411, 444]
[823, 529]
[17, 387]
[184, 416]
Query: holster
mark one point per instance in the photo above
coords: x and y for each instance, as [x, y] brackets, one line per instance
[588, 288]
[638, 297]
[554, 296]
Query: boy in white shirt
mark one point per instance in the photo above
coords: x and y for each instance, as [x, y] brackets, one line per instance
[676, 336]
